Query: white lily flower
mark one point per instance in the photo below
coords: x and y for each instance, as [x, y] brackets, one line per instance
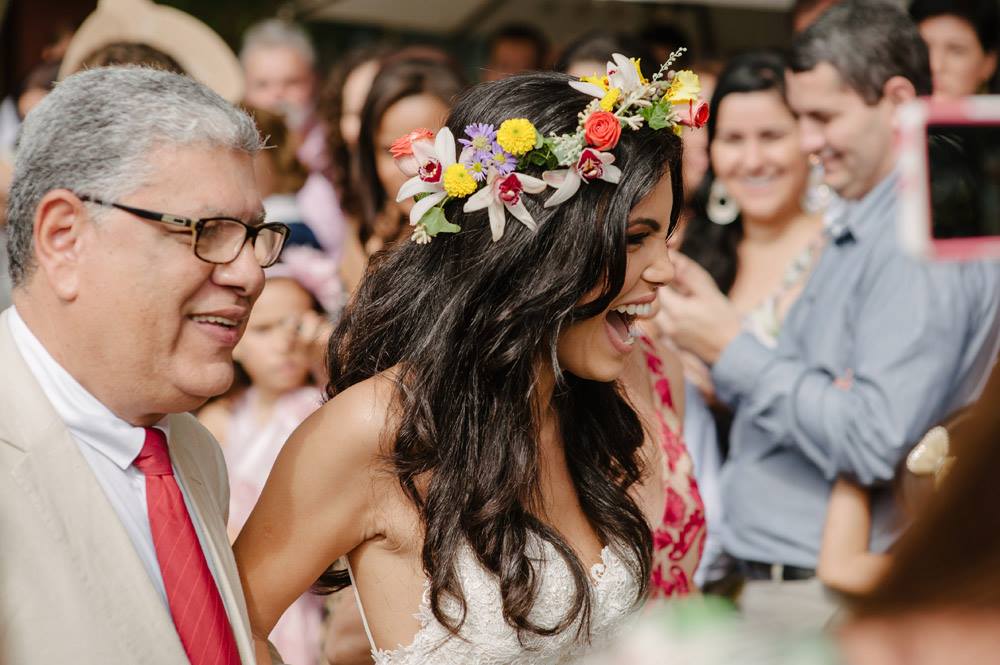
[622, 74]
[592, 165]
[504, 192]
[434, 160]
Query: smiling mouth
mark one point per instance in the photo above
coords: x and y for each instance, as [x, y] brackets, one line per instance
[216, 320]
[622, 322]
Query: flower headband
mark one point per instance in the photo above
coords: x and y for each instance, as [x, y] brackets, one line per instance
[486, 170]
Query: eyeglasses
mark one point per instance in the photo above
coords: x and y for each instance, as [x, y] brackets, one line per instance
[218, 239]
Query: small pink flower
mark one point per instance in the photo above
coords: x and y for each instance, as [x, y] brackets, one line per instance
[696, 116]
[592, 165]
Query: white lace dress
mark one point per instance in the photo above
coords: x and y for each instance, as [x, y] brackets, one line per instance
[486, 639]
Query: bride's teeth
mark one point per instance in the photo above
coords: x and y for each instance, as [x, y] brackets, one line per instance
[215, 319]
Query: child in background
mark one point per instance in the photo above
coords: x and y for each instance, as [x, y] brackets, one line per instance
[277, 389]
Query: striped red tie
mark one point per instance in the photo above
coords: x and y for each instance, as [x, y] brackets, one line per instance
[195, 603]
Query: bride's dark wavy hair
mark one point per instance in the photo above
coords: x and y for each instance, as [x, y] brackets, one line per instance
[471, 323]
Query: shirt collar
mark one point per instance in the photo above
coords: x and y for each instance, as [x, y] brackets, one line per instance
[859, 215]
[88, 420]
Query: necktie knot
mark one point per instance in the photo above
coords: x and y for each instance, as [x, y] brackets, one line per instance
[154, 458]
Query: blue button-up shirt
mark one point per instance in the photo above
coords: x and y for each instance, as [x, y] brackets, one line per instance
[911, 340]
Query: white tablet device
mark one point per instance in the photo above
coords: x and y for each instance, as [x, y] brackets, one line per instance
[949, 167]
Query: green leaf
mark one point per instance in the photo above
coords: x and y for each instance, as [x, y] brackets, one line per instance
[435, 222]
[420, 195]
[657, 116]
[539, 139]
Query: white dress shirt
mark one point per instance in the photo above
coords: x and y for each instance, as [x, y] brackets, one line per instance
[108, 443]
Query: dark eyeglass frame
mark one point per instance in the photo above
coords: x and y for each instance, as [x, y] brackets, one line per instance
[197, 224]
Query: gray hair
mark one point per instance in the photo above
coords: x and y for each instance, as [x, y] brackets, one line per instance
[274, 33]
[867, 42]
[95, 132]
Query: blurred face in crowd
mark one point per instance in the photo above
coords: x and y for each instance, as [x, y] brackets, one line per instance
[854, 140]
[409, 113]
[598, 348]
[356, 87]
[149, 327]
[959, 65]
[269, 351]
[278, 79]
[756, 153]
[510, 56]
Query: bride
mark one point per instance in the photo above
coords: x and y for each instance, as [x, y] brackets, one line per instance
[480, 466]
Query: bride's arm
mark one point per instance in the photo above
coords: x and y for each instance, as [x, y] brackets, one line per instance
[317, 505]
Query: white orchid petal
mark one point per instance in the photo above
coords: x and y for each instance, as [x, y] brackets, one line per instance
[628, 77]
[611, 174]
[567, 189]
[421, 207]
[606, 157]
[555, 178]
[444, 145]
[531, 184]
[588, 88]
[522, 214]
[415, 186]
[497, 219]
[479, 200]
[424, 151]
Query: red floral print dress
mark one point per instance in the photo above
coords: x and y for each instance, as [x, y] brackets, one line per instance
[679, 538]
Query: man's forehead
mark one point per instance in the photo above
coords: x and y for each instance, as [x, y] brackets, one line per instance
[814, 86]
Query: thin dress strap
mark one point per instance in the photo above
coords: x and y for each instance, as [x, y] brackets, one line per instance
[361, 607]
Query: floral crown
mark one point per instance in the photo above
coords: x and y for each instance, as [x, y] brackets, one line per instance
[491, 157]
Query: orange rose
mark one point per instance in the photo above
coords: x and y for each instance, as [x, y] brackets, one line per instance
[602, 129]
[403, 146]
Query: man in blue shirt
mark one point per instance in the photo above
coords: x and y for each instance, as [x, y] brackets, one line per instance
[878, 347]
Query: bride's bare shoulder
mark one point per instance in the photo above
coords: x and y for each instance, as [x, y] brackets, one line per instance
[355, 424]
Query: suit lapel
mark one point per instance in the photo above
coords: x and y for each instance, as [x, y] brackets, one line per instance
[60, 486]
[209, 517]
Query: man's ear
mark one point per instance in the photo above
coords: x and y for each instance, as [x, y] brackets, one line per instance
[899, 90]
[61, 220]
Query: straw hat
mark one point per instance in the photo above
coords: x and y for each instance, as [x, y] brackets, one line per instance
[195, 46]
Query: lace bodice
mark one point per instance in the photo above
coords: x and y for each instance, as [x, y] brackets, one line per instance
[486, 639]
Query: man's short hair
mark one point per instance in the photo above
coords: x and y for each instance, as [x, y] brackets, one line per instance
[982, 15]
[94, 135]
[276, 33]
[867, 42]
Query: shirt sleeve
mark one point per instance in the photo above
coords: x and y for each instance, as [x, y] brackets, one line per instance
[902, 357]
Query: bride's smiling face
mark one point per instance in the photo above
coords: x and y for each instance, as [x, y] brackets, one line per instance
[598, 348]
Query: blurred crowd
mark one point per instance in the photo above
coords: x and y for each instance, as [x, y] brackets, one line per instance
[815, 355]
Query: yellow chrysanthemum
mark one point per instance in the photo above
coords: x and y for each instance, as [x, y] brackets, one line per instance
[684, 87]
[635, 63]
[457, 181]
[610, 98]
[599, 81]
[516, 136]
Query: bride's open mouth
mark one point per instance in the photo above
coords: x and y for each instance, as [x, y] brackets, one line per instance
[621, 327]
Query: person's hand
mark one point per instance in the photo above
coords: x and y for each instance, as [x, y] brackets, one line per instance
[313, 335]
[697, 316]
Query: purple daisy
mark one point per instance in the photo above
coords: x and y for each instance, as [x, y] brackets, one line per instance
[501, 160]
[481, 139]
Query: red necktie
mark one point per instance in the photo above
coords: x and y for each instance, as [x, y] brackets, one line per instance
[195, 603]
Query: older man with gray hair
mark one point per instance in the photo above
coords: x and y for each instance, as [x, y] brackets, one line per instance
[137, 243]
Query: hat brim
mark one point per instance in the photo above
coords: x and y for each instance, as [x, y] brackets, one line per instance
[196, 47]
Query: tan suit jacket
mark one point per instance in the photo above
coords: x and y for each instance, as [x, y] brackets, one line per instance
[73, 590]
